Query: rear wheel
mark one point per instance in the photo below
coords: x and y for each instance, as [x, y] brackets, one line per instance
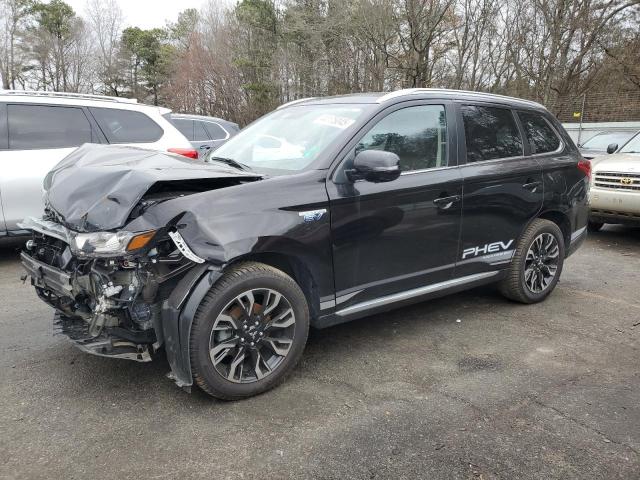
[594, 226]
[249, 332]
[537, 263]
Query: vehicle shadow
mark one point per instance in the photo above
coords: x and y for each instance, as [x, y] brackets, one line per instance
[10, 249]
[121, 381]
[619, 233]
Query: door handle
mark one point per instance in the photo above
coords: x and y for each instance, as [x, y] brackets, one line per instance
[445, 203]
[533, 186]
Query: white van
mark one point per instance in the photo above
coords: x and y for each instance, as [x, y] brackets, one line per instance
[38, 129]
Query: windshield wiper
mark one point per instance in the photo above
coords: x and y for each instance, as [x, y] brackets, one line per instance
[231, 162]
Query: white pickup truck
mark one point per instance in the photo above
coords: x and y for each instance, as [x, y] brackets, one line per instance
[615, 187]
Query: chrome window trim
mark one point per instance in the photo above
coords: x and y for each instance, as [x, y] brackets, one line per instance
[425, 170]
[215, 123]
[521, 157]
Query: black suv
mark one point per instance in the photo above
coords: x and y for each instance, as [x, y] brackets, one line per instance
[321, 212]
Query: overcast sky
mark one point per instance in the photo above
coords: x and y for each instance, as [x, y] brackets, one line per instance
[146, 13]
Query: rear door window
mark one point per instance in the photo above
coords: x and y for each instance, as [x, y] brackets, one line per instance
[491, 133]
[46, 126]
[215, 131]
[185, 127]
[540, 135]
[126, 126]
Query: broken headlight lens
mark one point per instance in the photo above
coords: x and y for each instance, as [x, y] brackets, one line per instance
[109, 243]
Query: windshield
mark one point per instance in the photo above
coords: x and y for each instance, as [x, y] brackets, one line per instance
[289, 139]
[632, 146]
[603, 140]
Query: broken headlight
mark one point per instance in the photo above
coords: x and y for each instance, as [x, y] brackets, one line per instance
[109, 243]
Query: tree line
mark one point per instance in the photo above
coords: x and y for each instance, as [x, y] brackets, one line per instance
[241, 59]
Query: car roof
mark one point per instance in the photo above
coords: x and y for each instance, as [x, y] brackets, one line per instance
[189, 116]
[64, 98]
[416, 93]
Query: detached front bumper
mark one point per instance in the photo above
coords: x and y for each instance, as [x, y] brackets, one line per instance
[45, 276]
[104, 345]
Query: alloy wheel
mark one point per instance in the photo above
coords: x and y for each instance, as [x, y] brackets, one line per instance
[252, 335]
[541, 262]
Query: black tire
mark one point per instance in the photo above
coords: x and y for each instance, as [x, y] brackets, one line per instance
[514, 286]
[594, 226]
[244, 277]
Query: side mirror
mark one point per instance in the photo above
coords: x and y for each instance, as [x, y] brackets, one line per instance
[612, 148]
[375, 166]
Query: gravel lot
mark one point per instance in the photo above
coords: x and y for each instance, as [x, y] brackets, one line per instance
[468, 386]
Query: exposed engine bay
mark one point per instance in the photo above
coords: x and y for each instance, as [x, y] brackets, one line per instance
[108, 306]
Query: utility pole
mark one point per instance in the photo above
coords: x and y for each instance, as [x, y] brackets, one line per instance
[584, 96]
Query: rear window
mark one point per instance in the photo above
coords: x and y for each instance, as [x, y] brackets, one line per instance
[126, 126]
[541, 136]
[215, 131]
[46, 126]
[491, 133]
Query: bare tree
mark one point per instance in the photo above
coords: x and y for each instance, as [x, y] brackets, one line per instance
[106, 20]
[13, 20]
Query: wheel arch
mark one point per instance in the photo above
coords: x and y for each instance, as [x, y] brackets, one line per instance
[562, 221]
[292, 266]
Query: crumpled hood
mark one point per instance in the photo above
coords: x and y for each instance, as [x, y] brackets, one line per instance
[97, 186]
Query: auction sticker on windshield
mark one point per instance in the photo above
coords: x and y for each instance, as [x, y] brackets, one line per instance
[334, 121]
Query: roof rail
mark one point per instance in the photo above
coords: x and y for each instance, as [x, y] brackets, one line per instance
[85, 96]
[293, 102]
[447, 91]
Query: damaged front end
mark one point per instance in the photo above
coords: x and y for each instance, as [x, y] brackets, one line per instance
[119, 290]
[107, 287]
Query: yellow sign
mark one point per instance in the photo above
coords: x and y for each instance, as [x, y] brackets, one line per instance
[576, 114]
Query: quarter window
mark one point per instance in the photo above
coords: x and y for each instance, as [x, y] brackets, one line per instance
[541, 136]
[42, 126]
[215, 130]
[418, 135]
[199, 133]
[126, 126]
[490, 133]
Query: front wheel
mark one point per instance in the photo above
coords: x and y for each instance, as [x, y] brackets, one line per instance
[537, 263]
[249, 332]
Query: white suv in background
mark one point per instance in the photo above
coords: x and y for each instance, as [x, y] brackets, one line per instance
[38, 129]
[615, 187]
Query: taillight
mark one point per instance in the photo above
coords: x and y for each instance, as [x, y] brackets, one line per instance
[585, 166]
[185, 152]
